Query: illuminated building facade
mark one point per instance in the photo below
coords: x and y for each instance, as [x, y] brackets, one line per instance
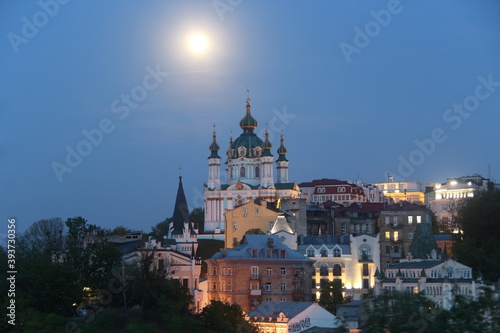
[249, 174]
[351, 259]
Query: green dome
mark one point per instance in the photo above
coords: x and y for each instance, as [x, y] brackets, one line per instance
[282, 150]
[248, 123]
[247, 145]
[214, 148]
[267, 145]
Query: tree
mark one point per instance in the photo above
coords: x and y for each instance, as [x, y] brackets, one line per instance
[197, 216]
[222, 317]
[479, 247]
[331, 296]
[151, 290]
[119, 231]
[89, 253]
[454, 208]
[160, 229]
[399, 312]
[44, 237]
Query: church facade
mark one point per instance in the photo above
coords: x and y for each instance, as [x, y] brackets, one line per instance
[249, 174]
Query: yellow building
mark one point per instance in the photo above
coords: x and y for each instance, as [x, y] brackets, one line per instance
[255, 214]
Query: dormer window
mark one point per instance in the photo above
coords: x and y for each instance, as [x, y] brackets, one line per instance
[336, 252]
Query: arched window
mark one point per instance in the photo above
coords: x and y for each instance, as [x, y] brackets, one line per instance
[323, 270]
[337, 270]
[242, 172]
[257, 172]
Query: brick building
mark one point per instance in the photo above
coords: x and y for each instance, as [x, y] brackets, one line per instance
[260, 269]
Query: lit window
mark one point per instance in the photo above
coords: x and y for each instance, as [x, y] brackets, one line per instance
[410, 219]
[419, 219]
[396, 235]
[387, 235]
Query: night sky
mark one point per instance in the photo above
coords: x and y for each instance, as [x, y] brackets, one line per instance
[103, 101]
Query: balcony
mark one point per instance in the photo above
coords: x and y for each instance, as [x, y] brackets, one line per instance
[255, 292]
[396, 226]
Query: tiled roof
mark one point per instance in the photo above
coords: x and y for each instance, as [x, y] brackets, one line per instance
[289, 309]
[362, 207]
[415, 264]
[261, 243]
[404, 205]
[323, 181]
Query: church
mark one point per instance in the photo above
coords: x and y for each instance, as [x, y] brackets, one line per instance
[249, 175]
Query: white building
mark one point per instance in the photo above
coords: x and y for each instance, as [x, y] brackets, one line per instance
[249, 174]
[437, 279]
[284, 317]
[351, 259]
[445, 199]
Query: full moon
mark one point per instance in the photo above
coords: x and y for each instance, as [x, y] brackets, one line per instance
[198, 43]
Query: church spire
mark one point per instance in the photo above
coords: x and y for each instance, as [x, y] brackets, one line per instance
[266, 146]
[248, 123]
[214, 147]
[181, 212]
[282, 150]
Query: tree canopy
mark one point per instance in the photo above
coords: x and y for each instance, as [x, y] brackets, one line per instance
[479, 246]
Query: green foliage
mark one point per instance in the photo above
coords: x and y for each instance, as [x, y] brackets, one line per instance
[197, 216]
[399, 312]
[160, 229]
[119, 231]
[255, 231]
[331, 296]
[402, 312]
[88, 252]
[42, 237]
[222, 317]
[479, 247]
